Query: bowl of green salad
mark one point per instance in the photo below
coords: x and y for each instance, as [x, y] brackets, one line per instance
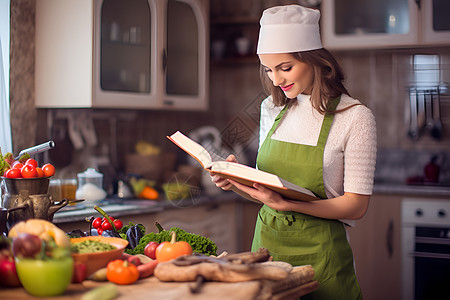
[96, 251]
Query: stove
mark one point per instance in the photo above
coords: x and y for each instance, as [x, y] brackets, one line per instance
[425, 249]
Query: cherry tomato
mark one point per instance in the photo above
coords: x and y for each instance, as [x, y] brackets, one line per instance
[99, 231]
[13, 173]
[97, 223]
[17, 165]
[49, 170]
[32, 162]
[106, 226]
[28, 171]
[118, 224]
[40, 172]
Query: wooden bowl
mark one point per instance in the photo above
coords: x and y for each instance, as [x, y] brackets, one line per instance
[97, 260]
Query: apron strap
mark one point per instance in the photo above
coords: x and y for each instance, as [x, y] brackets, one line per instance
[327, 121]
[277, 120]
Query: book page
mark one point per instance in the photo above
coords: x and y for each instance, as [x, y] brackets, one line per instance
[193, 148]
[246, 172]
[247, 175]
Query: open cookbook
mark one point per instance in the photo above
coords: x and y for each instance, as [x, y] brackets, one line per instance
[240, 173]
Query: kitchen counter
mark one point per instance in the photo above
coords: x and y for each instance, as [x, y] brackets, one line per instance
[411, 190]
[122, 207]
[152, 288]
[225, 218]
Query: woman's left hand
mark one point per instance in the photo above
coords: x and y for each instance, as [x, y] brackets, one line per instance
[262, 194]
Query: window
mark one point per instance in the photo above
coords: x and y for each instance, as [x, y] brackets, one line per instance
[5, 124]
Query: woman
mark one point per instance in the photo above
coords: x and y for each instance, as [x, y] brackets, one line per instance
[313, 134]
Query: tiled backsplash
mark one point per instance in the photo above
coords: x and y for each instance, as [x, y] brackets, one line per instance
[395, 166]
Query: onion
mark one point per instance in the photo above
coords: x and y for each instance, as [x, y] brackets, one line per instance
[26, 245]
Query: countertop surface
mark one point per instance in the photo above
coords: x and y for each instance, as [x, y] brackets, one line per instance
[411, 190]
[122, 207]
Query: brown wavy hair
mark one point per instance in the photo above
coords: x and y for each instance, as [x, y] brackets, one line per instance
[327, 80]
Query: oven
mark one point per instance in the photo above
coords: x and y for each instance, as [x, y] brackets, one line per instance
[425, 249]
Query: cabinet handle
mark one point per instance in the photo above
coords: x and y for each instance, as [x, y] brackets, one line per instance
[418, 4]
[164, 60]
[390, 238]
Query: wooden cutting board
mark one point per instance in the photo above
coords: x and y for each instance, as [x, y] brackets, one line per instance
[299, 283]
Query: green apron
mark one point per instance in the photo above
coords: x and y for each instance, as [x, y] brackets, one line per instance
[303, 239]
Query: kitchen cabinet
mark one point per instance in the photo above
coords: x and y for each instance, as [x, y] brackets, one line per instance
[234, 40]
[148, 54]
[376, 244]
[353, 24]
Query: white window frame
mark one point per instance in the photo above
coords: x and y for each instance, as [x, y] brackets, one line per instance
[5, 124]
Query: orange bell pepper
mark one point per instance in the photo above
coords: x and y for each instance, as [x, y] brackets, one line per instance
[121, 272]
[149, 193]
[173, 249]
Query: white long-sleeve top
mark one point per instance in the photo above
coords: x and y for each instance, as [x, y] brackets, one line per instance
[350, 150]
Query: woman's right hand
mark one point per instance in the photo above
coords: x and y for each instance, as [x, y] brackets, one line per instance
[220, 181]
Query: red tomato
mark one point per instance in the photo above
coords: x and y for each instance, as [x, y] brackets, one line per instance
[49, 170]
[99, 231]
[32, 162]
[28, 171]
[40, 172]
[97, 223]
[150, 249]
[106, 226]
[17, 165]
[118, 224]
[13, 173]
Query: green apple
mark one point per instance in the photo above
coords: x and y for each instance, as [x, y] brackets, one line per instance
[44, 278]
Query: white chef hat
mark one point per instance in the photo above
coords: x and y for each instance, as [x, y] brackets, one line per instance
[289, 28]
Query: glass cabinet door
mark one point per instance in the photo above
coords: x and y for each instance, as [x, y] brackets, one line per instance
[185, 60]
[182, 67]
[125, 49]
[436, 22]
[367, 17]
[353, 24]
[151, 54]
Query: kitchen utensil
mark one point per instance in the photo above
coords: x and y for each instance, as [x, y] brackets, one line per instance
[37, 149]
[421, 112]
[413, 132]
[436, 130]
[429, 123]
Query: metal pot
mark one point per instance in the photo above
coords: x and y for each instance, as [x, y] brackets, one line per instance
[3, 217]
[28, 199]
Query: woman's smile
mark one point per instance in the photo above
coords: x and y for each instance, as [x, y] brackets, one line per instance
[287, 87]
